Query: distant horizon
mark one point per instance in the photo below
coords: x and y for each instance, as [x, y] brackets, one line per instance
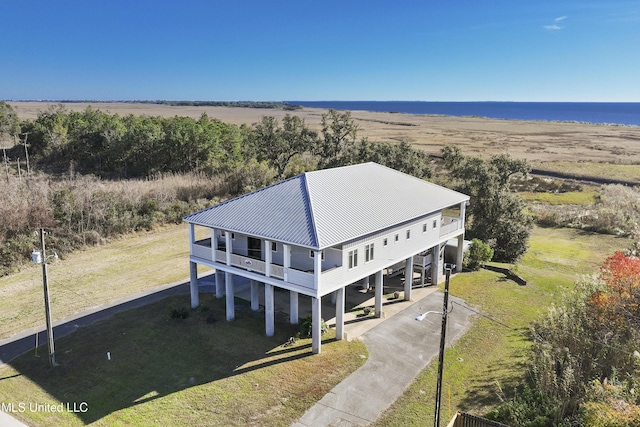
[79, 100]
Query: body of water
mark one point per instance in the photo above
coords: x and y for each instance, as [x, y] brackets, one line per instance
[619, 113]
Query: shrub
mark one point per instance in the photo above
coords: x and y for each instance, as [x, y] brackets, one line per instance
[307, 325]
[179, 313]
[477, 255]
[610, 404]
[528, 408]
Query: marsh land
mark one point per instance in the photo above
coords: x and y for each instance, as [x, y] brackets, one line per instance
[537, 141]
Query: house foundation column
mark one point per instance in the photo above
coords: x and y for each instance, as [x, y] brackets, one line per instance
[366, 284]
[460, 254]
[228, 285]
[255, 296]
[293, 308]
[269, 313]
[460, 257]
[219, 284]
[379, 285]
[193, 284]
[340, 313]
[435, 264]
[408, 278]
[316, 330]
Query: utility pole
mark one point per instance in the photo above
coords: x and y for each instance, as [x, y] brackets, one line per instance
[443, 332]
[26, 152]
[41, 258]
[442, 342]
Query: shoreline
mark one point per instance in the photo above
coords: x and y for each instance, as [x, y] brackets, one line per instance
[536, 141]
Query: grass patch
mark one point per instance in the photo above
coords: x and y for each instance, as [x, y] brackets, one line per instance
[629, 173]
[95, 276]
[488, 362]
[165, 371]
[583, 198]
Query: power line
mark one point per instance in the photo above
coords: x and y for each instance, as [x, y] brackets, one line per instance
[538, 338]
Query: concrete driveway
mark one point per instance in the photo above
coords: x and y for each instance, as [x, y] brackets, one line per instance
[399, 348]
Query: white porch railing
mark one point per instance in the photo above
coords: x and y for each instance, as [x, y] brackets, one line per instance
[277, 271]
[247, 263]
[201, 251]
[300, 278]
[449, 225]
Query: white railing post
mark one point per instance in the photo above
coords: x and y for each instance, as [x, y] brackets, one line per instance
[317, 268]
[227, 240]
[267, 258]
[286, 261]
[192, 238]
[213, 245]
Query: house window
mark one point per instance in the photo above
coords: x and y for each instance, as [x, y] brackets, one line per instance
[368, 253]
[396, 238]
[384, 242]
[254, 248]
[353, 258]
[408, 234]
[435, 223]
[424, 228]
[312, 255]
[274, 247]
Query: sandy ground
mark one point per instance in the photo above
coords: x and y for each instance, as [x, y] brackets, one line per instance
[534, 140]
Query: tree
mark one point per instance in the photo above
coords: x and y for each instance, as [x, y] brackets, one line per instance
[51, 129]
[401, 157]
[478, 254]
[278, 145]
[339, 133]
[9, 123]
[9, 130]
[495, 214]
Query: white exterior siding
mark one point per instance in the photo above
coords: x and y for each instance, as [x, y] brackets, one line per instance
[385, 256]
[332, 259]
[424, 233]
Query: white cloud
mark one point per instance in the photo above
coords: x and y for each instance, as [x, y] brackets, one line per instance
[555, 26]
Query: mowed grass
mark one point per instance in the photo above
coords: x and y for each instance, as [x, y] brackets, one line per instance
[583, 198]
[93, 277]
[202, 370]
[486, 365]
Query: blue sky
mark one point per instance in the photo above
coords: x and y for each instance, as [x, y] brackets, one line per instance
[465, 50]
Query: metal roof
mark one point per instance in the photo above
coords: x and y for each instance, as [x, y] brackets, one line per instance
[323, 208]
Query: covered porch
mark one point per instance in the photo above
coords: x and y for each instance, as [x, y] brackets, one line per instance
[359, 310]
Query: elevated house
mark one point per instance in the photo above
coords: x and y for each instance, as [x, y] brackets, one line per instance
[316, 233]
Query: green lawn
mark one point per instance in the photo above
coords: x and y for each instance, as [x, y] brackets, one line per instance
[488, 362]
[94, 276]
[167, 372]
[201, 370]
[585, 197]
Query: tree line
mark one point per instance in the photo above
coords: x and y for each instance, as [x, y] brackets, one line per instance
[99, 175]
[113, 146]
[240, 158]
